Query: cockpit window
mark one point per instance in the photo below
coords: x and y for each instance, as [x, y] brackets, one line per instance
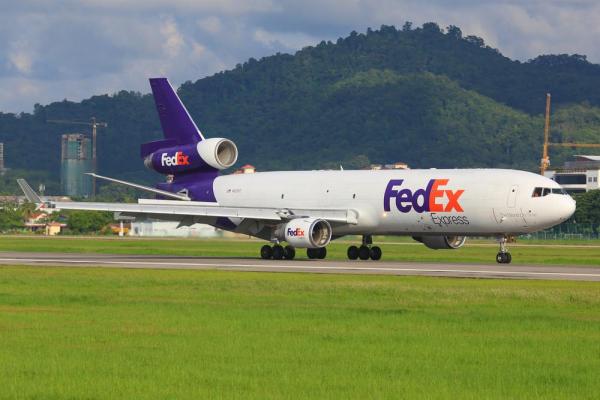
[541, 192]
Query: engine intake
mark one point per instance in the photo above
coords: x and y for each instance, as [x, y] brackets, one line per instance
[219, 153]
[441, 242]
[308, 233]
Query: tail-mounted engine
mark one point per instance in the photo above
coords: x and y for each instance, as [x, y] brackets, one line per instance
[441, 242]
[308, 233]
[208, 154]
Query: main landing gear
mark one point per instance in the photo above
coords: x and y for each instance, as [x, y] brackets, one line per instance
[365, 251]
[503, 256]
[277, 252]
[318, 253]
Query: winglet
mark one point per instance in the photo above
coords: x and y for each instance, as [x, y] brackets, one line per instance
[31, 195]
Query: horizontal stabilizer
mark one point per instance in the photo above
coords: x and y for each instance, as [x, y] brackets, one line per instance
[164, 193]
[30, 194]
[150, 147]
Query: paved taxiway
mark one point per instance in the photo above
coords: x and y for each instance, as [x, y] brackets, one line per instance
[513, 271]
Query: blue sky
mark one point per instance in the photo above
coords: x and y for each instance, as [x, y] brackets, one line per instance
[52, 50]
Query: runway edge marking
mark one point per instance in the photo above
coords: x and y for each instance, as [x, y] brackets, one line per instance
[298, 267]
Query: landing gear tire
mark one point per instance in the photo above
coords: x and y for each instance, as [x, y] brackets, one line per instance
[352, 253]
[364, 252]
[266, 252]
[321, 253]
[375, 253]
[278, 252]
[503, 258]
[289, 253]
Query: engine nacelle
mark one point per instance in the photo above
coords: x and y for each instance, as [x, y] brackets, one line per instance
[441, 242]
[217, 153]
[308, 233]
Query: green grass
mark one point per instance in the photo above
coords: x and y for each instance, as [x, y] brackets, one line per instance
[148, 334]
[477, 251]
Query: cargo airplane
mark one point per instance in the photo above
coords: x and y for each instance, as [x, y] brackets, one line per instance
[308, 209]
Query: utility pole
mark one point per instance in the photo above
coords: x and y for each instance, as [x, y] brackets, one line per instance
[95, 125]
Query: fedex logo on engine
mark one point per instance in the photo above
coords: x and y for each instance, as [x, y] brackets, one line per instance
[433, 198]
[295, 232]
[171, 161]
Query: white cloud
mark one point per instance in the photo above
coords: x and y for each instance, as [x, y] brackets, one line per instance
[173, 39]
[289, 40]
[77, 48]
[21, 60]
[211, 24]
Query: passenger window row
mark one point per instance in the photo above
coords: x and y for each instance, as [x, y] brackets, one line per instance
[541, 192]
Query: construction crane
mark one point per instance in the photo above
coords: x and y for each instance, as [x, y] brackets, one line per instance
[95, 125]
[545, 162]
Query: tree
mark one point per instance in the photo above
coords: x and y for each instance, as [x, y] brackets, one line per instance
[588, 209]
[88, 221]
[476, 40]
[454, 32]
[431, 27]
[10, 217]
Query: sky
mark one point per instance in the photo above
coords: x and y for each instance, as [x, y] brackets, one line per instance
[52, 50]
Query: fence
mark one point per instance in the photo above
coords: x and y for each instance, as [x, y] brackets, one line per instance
[568, 230]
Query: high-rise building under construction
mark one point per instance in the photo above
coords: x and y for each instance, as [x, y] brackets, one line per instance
[76, 160]
[2, 169]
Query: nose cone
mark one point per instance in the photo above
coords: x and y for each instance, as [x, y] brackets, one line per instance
[567, 208]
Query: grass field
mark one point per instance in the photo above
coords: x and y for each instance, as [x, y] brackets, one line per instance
[147, 334]
[394, 249]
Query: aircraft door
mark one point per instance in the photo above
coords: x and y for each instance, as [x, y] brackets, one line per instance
[512, 196]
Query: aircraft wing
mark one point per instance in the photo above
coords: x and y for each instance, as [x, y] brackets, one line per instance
[178, 210]
[185, 208]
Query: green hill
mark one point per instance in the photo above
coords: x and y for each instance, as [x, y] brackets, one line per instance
[428, 97]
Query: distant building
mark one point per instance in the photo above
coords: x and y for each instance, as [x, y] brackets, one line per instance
[170, 229]
[38, 222]
[76, 160]
[2, 168]
[246, 169]
[54, 228]
[396, 165]
[577, 176]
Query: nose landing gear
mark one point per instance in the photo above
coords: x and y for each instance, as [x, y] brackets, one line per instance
[503, 256]
[365, 251]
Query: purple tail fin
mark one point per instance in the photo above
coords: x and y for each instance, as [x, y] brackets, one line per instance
[177, 124]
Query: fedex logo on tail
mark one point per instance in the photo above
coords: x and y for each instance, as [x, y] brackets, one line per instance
[171, 161]
[433, 198]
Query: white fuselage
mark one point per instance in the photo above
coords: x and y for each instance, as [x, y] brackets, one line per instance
[397, 202]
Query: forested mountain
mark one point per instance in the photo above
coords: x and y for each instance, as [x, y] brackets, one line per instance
[426, 96]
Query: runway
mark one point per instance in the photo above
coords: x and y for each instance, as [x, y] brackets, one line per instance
[512, 271]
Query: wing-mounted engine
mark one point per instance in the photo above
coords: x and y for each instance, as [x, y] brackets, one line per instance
[209, 154]
[308, 233]
[441, 242]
